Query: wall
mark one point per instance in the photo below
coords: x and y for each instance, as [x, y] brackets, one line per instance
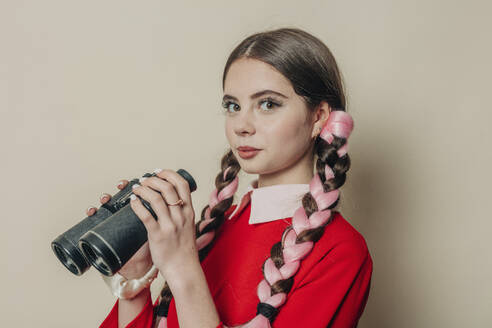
[95, 91]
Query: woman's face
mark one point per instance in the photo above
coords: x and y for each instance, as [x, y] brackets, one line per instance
[276, 121]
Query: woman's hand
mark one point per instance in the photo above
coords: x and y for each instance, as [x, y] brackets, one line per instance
[172, 237]
[141, 261]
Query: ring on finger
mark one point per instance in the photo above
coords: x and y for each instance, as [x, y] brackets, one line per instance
[180, 202]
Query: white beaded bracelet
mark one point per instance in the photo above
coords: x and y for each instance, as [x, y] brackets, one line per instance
[129, 288]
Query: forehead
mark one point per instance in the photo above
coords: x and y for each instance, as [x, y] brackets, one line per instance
[248, 75]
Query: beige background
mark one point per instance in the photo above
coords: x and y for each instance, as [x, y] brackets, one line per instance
[95, 91]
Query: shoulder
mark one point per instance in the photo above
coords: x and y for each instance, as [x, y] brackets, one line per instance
[341, 241]
[339, 261]
[341, 232]
[340, 254]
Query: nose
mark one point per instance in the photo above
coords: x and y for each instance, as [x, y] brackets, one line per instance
[245, 123]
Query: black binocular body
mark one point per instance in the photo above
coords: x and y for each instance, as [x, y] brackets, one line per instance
[110, 237]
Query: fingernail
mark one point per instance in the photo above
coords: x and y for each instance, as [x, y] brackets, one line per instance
[90, 207]
[133, 197]
[135, 186]
[103, 195]
[142, 179]
[121, 182]
[157, 170]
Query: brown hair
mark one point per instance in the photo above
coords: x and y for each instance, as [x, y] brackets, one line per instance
[311, 68]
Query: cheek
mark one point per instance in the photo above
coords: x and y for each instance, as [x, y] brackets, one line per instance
[290, 134]
[228, 132]
[285, 145]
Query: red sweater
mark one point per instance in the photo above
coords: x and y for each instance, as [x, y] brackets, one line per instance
[330, 288]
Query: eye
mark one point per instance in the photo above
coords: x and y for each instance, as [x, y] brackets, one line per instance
[227, 104]
[273, 103]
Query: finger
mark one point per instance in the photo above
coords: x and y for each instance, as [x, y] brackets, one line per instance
[182, 188]
[104, 198]
[143, 214]
[91, 210]
[180, 184]
[122, 184]
[157, 203]
[169, 194]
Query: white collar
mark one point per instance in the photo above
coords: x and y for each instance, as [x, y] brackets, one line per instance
[271, 203]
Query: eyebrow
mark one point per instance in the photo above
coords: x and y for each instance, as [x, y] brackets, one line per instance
[255, 95]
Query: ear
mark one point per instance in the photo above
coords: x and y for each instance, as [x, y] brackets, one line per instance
[320, 117]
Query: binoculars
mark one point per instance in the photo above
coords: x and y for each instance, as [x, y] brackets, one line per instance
[110, 237]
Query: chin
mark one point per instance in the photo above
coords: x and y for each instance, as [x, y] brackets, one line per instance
[247, 166]
[254, 168]
[246, 170]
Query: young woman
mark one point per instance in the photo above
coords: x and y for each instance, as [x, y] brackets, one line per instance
[282, 256]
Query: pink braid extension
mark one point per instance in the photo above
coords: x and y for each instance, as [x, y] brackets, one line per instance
[215, 198]
[340, 124]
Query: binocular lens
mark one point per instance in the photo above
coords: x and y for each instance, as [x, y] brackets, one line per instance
[96, 257]
[65, 246]
[64, 258]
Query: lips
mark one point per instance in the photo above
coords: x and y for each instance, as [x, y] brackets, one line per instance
[246, 148]
[248, 152]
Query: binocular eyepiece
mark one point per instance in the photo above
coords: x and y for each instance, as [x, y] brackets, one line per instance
[110, 237]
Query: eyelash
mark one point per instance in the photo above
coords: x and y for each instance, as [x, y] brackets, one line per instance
[274, 102]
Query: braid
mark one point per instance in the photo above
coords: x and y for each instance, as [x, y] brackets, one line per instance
[212, 217]
[221, 199]
[308, 221]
